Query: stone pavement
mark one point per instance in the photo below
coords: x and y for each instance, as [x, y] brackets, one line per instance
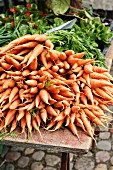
[98, 158]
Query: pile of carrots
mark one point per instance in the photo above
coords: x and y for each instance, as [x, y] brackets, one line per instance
[41, 87]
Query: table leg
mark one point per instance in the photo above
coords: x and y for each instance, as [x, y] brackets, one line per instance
[65, 161]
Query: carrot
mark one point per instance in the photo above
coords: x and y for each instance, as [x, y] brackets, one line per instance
[49, 44]
[74, 66]
[62, 71]
[15, 63]
[40, 85]
[38, 119]
[62, 56]
[16, 57]
[26, 57]
[8, 83]
[33, 65]
[9, 115]
[44, 95]
[41, 37]
[99, 69]
[96, 75]
[88, 68]
[55, 68]
[73, 76]
[14, 91]
[2, 123]
[87, 78]
[51, 124]
[23, 52]
[5, 94]
[81, 62]
[103, 94]
[87, 91]
[67, 119]
[6, 106]
[87, 124]
[31, 82]
[66, 93]
[60, 116]
[66, 65]
[69, 52]
[75, 87]
[67, 111]
[13, 126]
[14, 73]
[80, 123]
[58, 104]
[25, 72]
[30, 44]
[43, 58]
[58, 125]
[73, 128]
[23, 124]
[31, 105]
[1, 89]
[83, 98]
[15, 104]
[58, 97]
[36, 52]
[43, 115]
[53, 55]
[28, 120]
[3, 76]
[75, 108]
[79, 55]
[20, 115]
[80, 73]
[102, 106]
[13, 51]
[51, 111]
[6, 66]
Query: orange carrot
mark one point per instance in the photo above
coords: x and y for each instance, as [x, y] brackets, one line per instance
[33, 65]
[23, 124]
[87, 91]
[41, 37]
[44, 95]
[36, 52]
[69, 52]
[5, 66]
[51, 111]
[8, 83]
[13, 93]
[13, 126]
[88, 68]
[5, 94]
[15, 104]
[62, 56]
[55, 68]
[49, 44]
[73, 128]
[96, 75]
[38, 119]
[28, 120]
[53, 55]
[43, 115]
[9, 115]
[99, 69]
[25, 72]
[31, 82]
[103, 94]
[20, 115]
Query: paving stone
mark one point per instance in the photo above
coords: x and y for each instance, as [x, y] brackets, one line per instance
[12, 156]
[104, 135]
[49, 168]
[102, 129]
[104, 145]
[101, 167]
[17, 148]
[38, 156]
[84, 163]
[52, 160]
[4, 151]
[102, 156]
[29, 151]
[111, 160]
[89, 154]
[23, 161]
[36, 166]
[9, 166]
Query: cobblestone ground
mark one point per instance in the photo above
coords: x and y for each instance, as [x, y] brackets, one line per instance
[98, 158]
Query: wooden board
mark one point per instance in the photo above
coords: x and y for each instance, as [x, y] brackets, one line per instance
[61, 140]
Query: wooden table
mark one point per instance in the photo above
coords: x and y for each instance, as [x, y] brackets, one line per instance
[62, 140]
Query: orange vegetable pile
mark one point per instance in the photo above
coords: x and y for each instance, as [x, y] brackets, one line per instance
[41, 87]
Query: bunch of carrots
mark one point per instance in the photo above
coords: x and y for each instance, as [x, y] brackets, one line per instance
[41, 87]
